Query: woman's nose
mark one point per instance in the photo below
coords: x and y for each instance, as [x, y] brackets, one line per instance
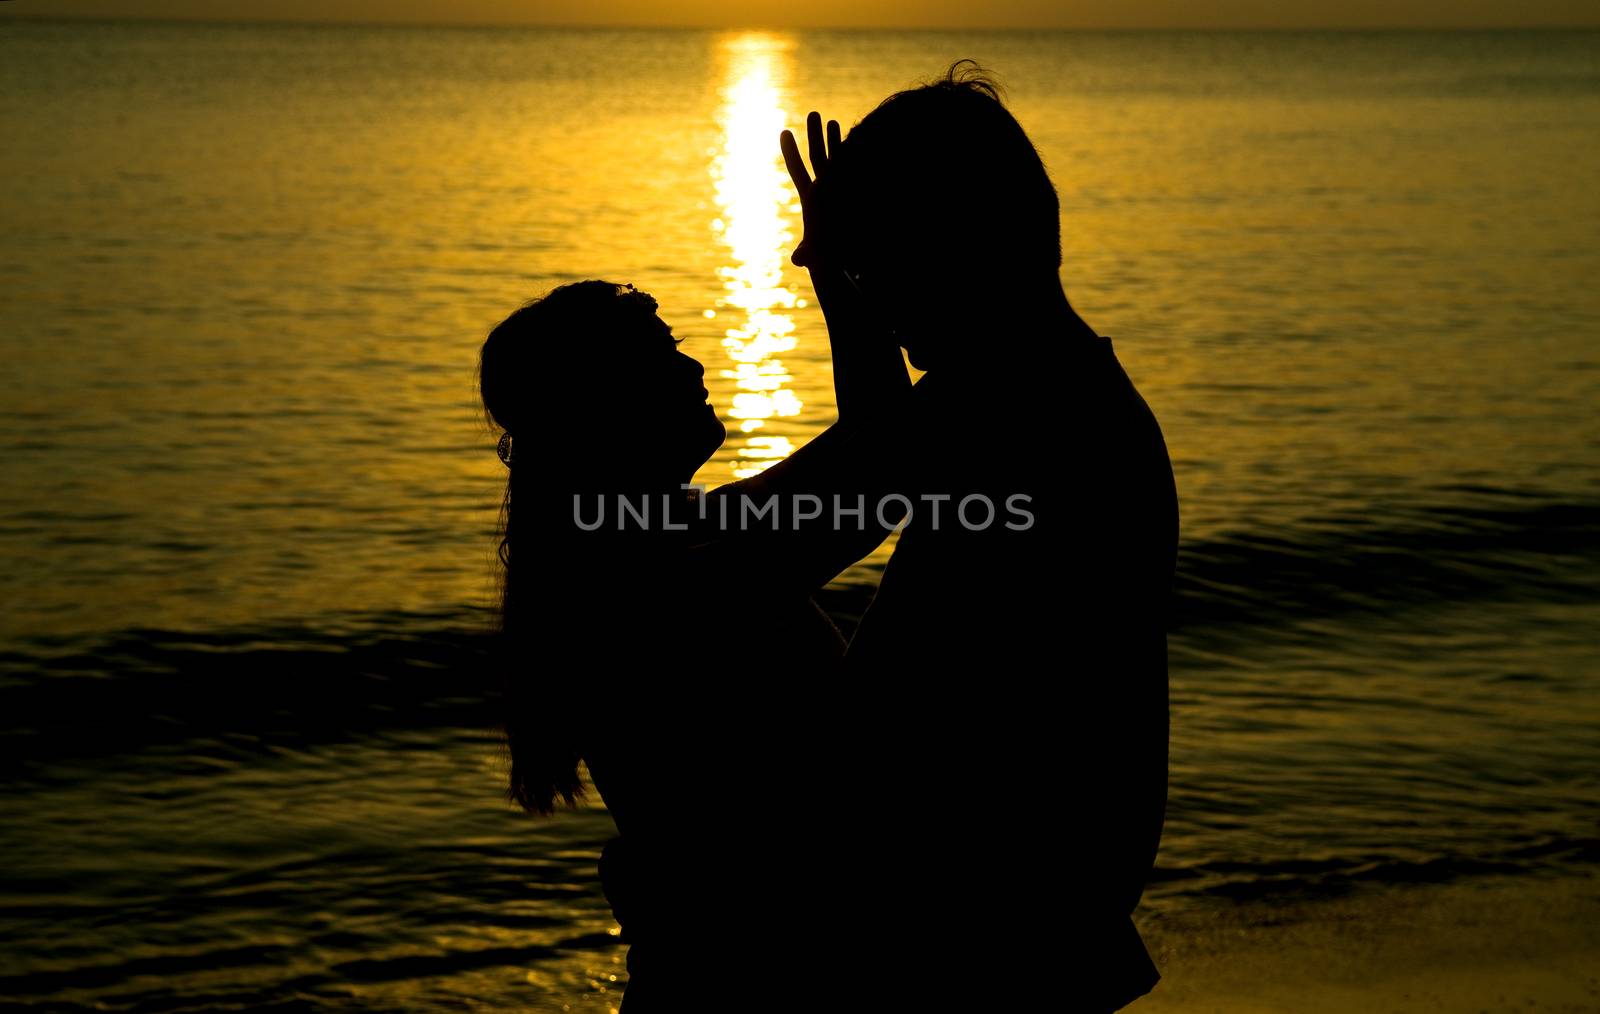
[693, 366]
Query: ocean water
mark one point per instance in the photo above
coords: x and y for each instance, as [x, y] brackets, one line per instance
[246, 525]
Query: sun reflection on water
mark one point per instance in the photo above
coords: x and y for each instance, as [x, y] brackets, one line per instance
[757, 211]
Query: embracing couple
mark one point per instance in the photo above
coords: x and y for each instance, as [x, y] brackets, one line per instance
[958, 807]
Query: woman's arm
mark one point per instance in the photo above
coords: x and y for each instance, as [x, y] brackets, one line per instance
[850, 472]
[868, 368]
[797, 525]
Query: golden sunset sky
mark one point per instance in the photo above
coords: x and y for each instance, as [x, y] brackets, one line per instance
[855, 13]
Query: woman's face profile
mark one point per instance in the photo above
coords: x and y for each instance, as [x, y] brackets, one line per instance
[664, 394]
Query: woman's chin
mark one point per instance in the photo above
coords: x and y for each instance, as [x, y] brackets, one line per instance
[716, 433]
[700, 440]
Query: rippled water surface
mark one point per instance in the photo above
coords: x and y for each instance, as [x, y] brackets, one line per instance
[248, 502]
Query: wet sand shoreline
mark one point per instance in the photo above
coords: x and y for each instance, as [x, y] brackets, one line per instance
[1529, 943]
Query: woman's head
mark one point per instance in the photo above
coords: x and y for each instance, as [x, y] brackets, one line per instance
[597, 399]
[590, 384]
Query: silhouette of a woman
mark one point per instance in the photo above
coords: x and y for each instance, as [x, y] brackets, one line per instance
[613, 612]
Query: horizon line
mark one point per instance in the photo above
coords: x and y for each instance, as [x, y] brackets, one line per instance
[728, 27]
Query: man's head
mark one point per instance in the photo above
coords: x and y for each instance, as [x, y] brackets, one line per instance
[937, 203]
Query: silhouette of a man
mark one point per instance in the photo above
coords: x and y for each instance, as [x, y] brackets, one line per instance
[1007, 687]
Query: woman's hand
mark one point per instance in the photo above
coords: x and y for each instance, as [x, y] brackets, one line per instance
[809, 253]
[868, 371]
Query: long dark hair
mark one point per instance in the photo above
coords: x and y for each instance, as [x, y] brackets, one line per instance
[518, 367]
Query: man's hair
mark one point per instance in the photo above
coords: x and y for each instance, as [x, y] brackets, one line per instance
[945, 167]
